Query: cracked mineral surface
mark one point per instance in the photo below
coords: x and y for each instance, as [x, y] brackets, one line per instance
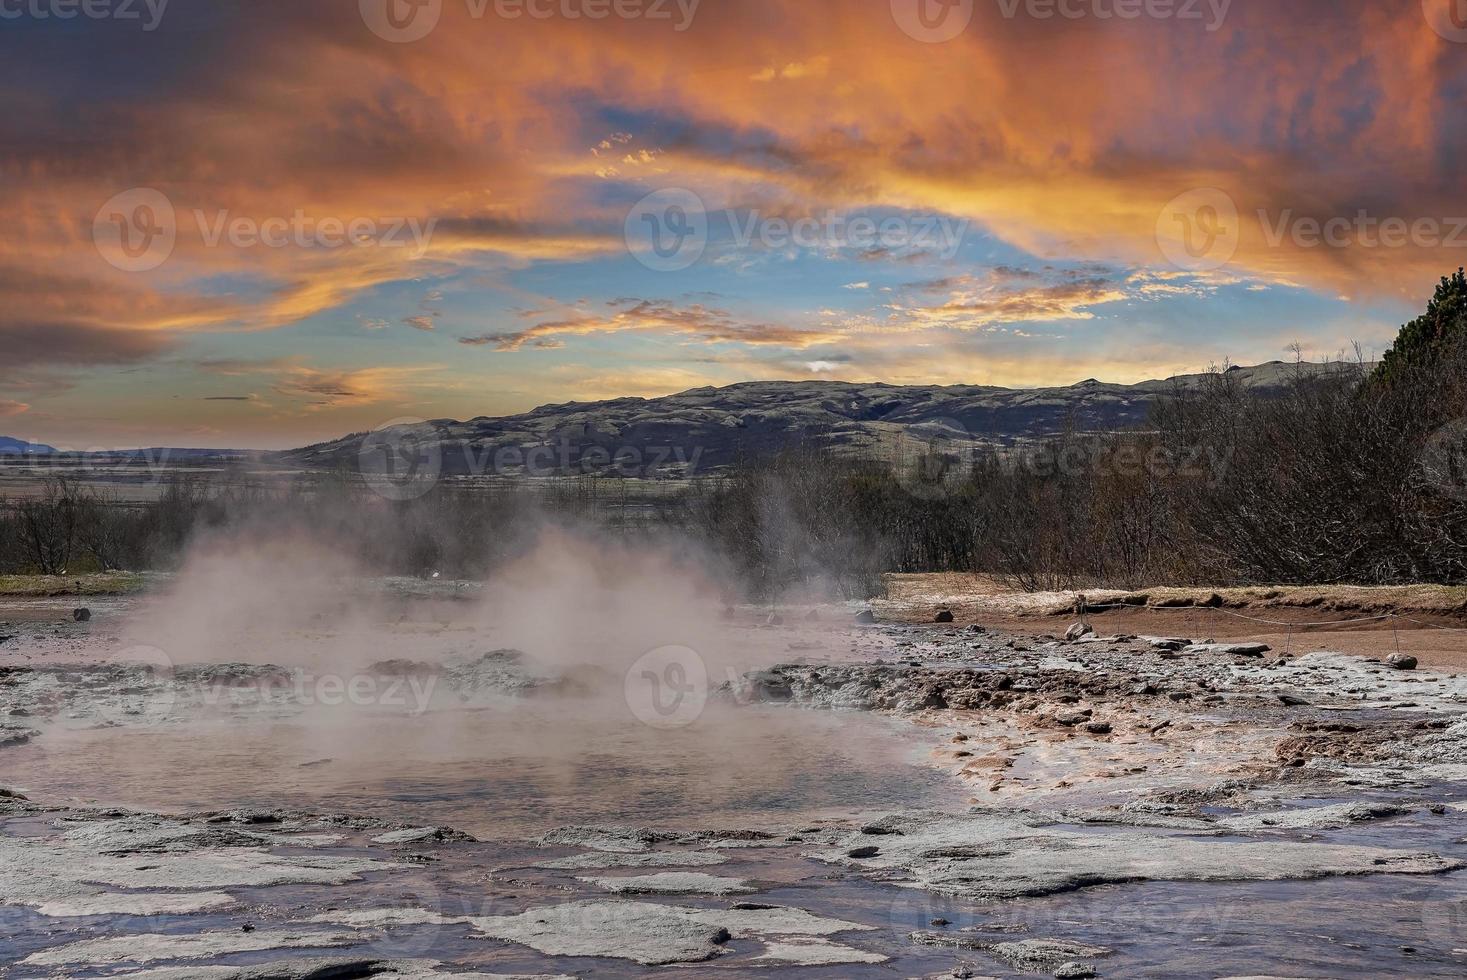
[914, 802]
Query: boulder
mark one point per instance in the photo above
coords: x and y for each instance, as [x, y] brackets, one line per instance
[81, 615]
[1078, 630]
[944, 616]
[865, 617]
[768, 686]
[1231, 649]
[1402, 661]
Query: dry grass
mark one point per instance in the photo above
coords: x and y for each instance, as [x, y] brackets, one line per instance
[101, 584]
[916, 597]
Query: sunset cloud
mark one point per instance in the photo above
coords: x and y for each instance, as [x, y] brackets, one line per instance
[1062, 146]
[696, 322]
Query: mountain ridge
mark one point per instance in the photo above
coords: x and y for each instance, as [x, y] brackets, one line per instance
[710, 426]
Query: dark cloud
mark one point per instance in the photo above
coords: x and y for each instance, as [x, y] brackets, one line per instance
[76, 344]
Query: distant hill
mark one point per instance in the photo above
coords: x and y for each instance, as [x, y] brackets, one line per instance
[158, 454]
[711, 427]
[19, 447]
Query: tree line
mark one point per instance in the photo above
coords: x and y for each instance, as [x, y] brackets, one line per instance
[1354, 473]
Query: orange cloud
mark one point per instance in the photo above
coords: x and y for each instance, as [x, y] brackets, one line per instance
[1064, 139]
[697, 321]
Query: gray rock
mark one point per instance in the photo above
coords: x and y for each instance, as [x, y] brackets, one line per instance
[327, 968]
[1231, 649]
[1402, 661]
[673, 883]
[422, 835]
[619, 839]
[152, 947]
[1047, 954]
[656, 859]
[186, 868]
[1075, 971]
[16, 735]
[1000, 855]
[649, 934]
[1333, 817]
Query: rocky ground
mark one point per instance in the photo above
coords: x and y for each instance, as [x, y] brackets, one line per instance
[1126, 806]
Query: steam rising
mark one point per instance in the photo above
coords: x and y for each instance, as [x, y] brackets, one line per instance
[569, 748]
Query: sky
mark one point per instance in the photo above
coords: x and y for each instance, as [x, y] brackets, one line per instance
[266, 223]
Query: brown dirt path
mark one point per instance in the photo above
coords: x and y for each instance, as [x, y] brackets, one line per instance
[1435, 633]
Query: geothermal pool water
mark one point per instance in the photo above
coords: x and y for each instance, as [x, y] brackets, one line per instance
[510, 745]
[502, 771]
